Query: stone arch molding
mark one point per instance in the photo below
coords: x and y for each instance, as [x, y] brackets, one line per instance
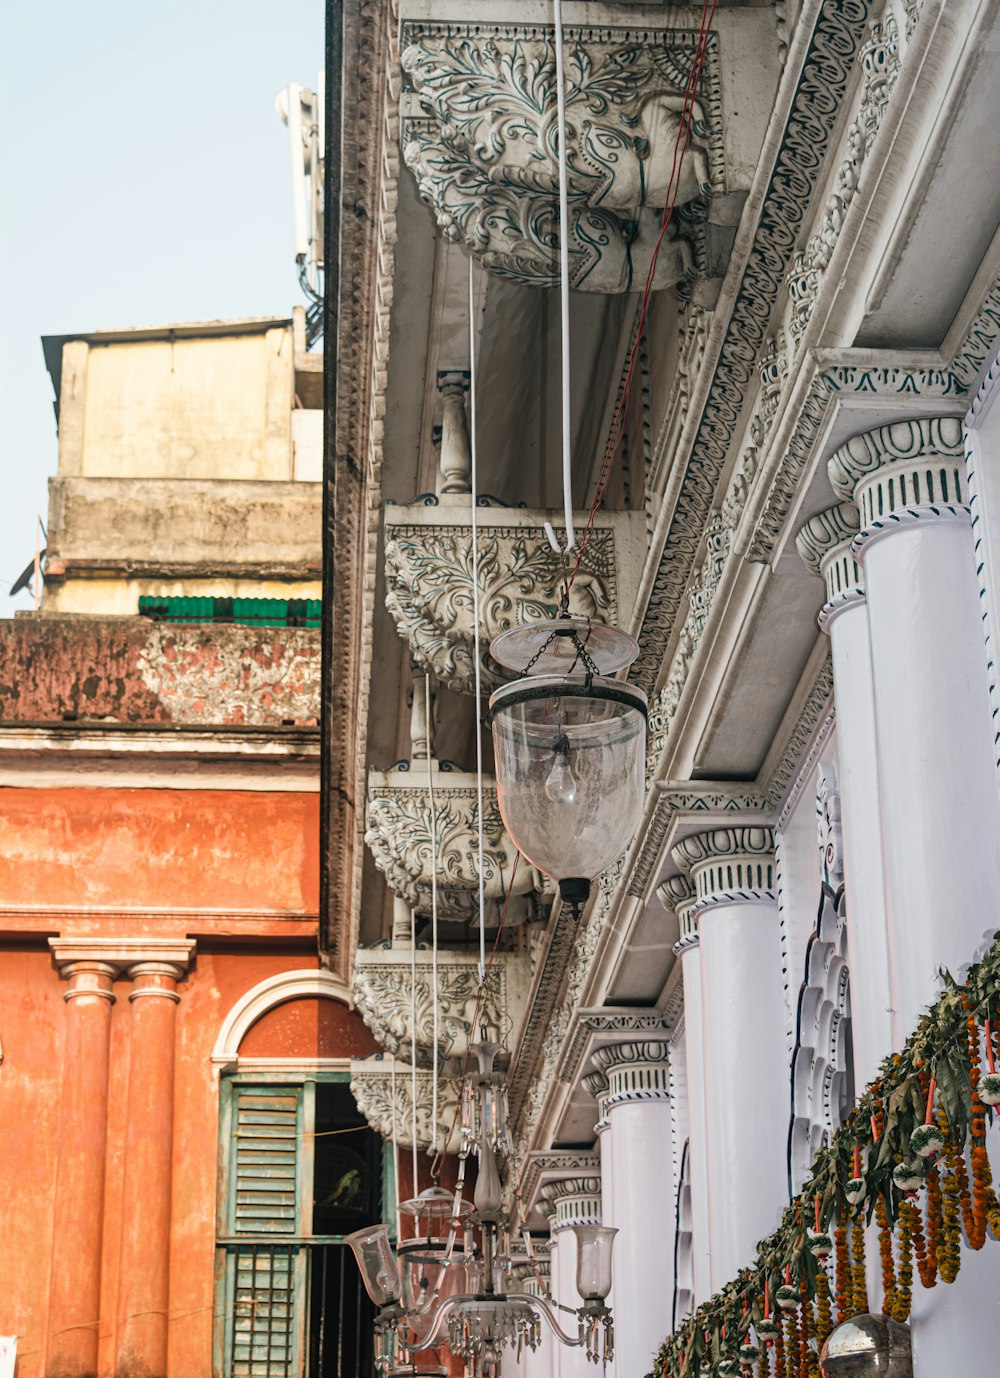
[265, 996]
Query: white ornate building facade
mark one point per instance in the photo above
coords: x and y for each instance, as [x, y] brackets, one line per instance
[802, 532]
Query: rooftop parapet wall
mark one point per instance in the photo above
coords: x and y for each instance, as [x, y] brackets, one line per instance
[130, 670]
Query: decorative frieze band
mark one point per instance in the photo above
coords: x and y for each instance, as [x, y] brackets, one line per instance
[729, 863]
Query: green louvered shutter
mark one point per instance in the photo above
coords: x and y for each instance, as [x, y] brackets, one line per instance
[266, 1160]
[265, 1272]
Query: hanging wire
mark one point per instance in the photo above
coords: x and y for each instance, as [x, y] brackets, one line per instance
[434, 914]
[475, 621]
[395, 1154]
[413, 1041]
[567, 454]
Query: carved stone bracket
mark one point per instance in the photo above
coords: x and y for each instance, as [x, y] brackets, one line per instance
[428, 559]
[383, 1090]
[399, 836]
[383, 986]
[479, 133]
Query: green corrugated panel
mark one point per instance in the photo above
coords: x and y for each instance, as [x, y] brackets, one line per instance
[245, 612]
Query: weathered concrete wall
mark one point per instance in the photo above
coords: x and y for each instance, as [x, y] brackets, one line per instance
[185, 405]
[148, 524]
[131, 670]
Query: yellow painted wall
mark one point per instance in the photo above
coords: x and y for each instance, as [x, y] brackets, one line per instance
[213, 406]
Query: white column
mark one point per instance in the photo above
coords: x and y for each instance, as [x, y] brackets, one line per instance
[825, 546]
[597, 1084]
[540, 1362]
[577, 1201]
[940, 805]
[678, 894]
[746, 1065]
[937, 779]
[639, 1129]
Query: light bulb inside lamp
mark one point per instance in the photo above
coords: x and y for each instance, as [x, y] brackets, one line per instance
[560, 785]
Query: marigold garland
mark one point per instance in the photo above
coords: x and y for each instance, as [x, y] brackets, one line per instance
[933, 1080]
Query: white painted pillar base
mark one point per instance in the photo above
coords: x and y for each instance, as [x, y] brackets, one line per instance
[640, 1131]
[746, 1065]
[825, 545]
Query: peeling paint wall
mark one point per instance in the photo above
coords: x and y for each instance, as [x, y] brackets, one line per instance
[130, 670]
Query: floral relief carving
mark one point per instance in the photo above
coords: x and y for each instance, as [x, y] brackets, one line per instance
[429, 589]
[481, 137]
[400, 838]
[400, 1011]
[383, 1091]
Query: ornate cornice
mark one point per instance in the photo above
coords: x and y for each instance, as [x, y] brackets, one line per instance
[428, 568]
[822, 82]
[686, 797]
[384, 997]
[595, 1027]
[479, 137]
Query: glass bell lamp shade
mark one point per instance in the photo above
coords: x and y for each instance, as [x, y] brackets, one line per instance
[593, 1260]
[570, 768]
[377, 1264]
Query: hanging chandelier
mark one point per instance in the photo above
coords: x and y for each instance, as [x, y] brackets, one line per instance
[570, 748]
[451, 1282]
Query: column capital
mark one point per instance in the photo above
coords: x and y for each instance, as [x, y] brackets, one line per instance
[678, 893]
[825, 547]
[902, 473]
[729, 865]
[453, 381]
[596, 1084]
[577, 1201]
[638, 1070]
[92, 965]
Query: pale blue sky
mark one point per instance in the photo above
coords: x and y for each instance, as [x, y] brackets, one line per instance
[144, 178]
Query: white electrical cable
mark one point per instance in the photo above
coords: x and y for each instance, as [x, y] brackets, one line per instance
[395, 1155]
[475, 622]
[434, 913]
[567, 457]
[413, 1043]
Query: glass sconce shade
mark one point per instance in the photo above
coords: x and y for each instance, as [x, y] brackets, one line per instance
[378, 1265]
[593, 1260]
[570, 767]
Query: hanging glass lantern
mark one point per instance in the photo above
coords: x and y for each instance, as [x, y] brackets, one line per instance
[377, 1263]
[593, 1260]
[570, 748]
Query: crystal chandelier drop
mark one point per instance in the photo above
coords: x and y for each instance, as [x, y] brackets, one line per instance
[451, 1282]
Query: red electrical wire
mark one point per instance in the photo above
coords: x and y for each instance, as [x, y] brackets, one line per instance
[673, 186]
